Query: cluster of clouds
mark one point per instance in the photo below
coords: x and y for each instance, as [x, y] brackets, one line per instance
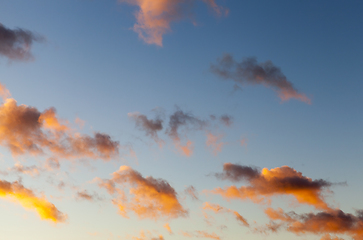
[178, 121]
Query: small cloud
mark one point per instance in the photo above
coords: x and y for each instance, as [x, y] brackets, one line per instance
[15, 44]
[250, 72]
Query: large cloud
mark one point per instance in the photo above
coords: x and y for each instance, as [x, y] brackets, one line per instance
[148, 197]
[155, 16]
[16, 44]
[26, 130]
[249, 71]
[26, 197]
[268, 183]
[332, 221]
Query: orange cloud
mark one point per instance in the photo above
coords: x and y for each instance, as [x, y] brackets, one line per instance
[25, 130]
[155, 16]
[250, 72]
[200, 234]
[268, 183]
[18, 193]
[147, 236]
[149, 197]
[331, 221]
[218, 209]
[167, 227]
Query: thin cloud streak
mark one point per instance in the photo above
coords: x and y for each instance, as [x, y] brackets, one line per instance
[250, 72]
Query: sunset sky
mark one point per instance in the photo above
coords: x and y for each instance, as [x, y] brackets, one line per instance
[181, 119]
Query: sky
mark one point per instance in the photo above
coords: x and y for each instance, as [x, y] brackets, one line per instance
[181, 119]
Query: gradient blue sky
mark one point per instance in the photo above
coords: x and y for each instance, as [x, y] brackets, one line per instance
[95, 67]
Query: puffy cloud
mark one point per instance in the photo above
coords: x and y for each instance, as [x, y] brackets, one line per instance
[149, 197]
[151, 127]
[25, 130]
[155, 16]
[15, 44]
[268, 183]
[249, 71]
[26, 197]
[192, 192]
[218, 209]
[331, 221]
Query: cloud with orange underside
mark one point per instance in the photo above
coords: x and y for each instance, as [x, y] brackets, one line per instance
[16, 192]
[262, 185]
[219, 209]
[147, 197]
[327, 222]
[26, 130]
[154, 17]
[251, 72]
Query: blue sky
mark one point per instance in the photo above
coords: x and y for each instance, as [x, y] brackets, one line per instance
[93, 66]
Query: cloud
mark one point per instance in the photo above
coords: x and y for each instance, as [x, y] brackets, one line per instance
[180, 122]
[149, 197]
[155, 16]
[214, 142]
[268, 183]
[151, 127]
[192, 192]
[16, 44]
[250, 72]
[167, 227]
[85, 195]
[189, 121]
[147, 235]
[25, 130]
[227, 120]
[200, 234]
[28, 170]
[218, 209]
[26, 197]
[332, 221]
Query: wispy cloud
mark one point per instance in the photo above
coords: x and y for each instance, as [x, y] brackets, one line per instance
[15, 44]
[192, 192]
[26, 197]
[219, 209]
[251, 72]
[268, 183]
[149, 197]
[155, 16]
